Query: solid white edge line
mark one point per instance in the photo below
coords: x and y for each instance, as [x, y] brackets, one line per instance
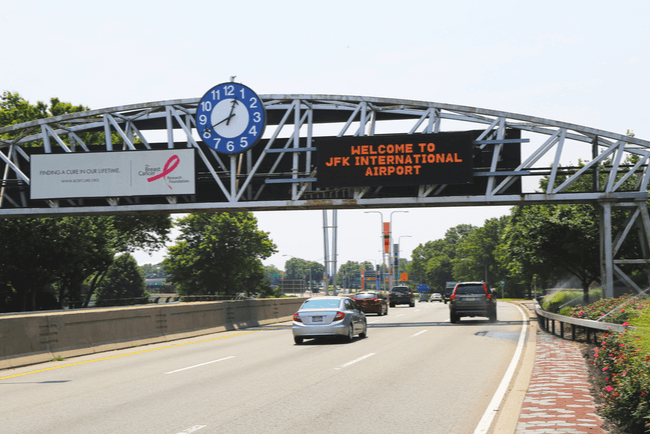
[355, 361]
[193, 429]
[491, 410]
[202, 364]
[418, 333]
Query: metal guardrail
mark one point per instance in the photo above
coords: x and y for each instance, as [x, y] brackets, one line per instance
[591, 328]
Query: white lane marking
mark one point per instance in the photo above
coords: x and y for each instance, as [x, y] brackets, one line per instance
[491, 410]
[355, 361]
[418, 333]
[395, 316]
[202, 364]
[191, 430]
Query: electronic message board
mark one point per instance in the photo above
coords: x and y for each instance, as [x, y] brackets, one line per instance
[413, 159]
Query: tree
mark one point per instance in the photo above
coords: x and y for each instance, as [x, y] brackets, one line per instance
[550, 241]
[124, 283]
[432, 262]
[218, 253]
[476, 253]
[41, 257]
[544, 239]
[296, 268]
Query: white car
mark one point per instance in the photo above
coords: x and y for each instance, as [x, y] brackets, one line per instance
[435, 297]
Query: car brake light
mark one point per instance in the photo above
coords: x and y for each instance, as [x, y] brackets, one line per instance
[296, 317]
[375, 299]
[452, 296]
[339, 316]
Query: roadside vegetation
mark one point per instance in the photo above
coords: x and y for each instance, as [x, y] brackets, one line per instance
[622, 359]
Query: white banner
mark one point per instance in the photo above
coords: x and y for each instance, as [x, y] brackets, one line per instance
[113, 174]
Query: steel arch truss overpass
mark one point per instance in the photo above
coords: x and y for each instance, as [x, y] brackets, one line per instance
[511, 153]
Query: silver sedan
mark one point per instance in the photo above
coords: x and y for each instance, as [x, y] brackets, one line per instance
[329, 316]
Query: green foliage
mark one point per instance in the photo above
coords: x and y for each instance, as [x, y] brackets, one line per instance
[218, 253]
[153, 271]
[123, 284]
[46, 262]
[625, 380]
[641, 326]
[432, 262]
[476, 255]
[567, 299]
[612, 310]
[296, 268]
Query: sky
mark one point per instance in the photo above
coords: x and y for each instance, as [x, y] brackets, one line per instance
[581, 62]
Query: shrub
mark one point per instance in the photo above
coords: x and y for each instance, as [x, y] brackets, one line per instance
[623, 360]
[625, 382]
[555, 301]
[612, 310]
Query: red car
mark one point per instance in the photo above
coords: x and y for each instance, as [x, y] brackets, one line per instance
[372, 301]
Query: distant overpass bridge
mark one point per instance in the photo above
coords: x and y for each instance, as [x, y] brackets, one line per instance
[509, 152]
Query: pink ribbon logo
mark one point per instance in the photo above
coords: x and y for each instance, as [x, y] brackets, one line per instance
[170, 165]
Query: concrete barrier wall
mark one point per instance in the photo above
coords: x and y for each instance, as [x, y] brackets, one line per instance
[39, 337]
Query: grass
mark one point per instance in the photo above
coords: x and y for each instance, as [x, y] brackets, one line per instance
[562, 301]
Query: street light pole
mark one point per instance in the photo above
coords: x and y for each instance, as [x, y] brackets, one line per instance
[392, 277]
[383, 254]
[399, 239]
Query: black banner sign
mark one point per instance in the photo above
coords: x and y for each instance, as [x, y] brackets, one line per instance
[414, 159]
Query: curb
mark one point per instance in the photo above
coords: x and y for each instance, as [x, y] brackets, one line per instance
[510, 408]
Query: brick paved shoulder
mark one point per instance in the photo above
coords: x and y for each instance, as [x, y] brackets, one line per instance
[558, 398]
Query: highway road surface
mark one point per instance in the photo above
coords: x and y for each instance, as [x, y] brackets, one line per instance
[414, 373]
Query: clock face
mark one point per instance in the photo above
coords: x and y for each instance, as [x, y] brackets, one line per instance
[230, 118]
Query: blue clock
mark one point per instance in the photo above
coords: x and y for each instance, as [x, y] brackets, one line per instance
[230, 118]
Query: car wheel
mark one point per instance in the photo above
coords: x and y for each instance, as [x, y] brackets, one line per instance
[350, 335]
[386, 311]
[493, 316]
[412, 304]
[392, 305]
[364, 333]
[297, 340]
[453, 318]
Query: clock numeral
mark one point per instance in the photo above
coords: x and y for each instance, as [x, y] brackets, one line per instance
[243, 142]
[243, 93]
[216, 94]
[253, 131]
[206, 106]
[257, 117]
[207, 134]
[229, 90]
[203, 119]
[230, 146]
[253, 102]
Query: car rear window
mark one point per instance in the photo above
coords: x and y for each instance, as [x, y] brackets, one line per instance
[321, 304]
[400, 289]
[470, 289]
[365, 295]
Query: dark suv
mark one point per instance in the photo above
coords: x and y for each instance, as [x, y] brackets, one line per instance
[472, 299]
[446, 294]
[401, 295]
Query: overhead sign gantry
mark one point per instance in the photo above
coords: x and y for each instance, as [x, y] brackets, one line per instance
[319, 152]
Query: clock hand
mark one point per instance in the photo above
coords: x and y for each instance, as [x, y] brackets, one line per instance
[222, 121]
[232, 108]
